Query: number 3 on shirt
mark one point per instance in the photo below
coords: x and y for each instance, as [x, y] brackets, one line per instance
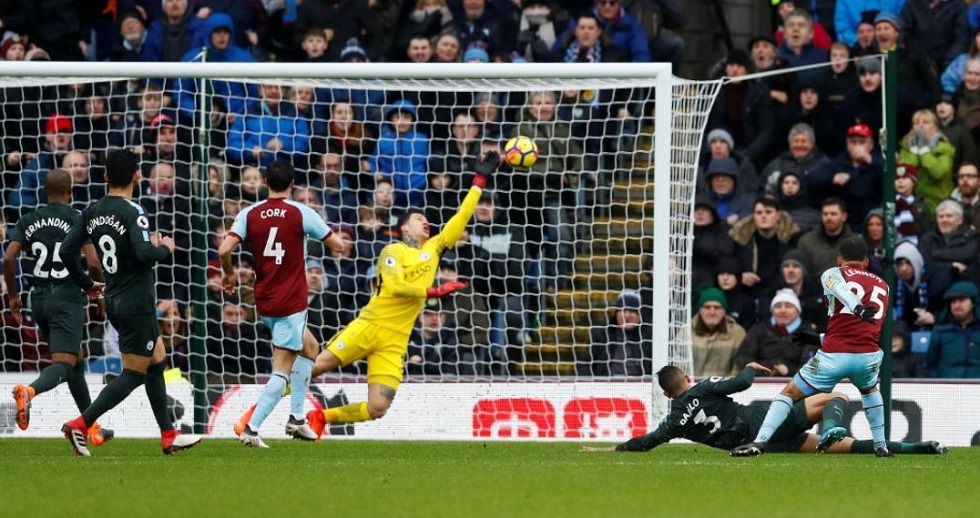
[878, 296]
[274, 248]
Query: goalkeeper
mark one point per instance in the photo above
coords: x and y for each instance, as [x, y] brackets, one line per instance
[703, 412]
[380, 333]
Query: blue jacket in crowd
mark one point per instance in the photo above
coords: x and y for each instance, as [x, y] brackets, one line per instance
[259, 126]
[234, 93]
[402, 157]
[954, 349]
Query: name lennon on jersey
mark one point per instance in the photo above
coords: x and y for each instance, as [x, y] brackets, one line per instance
[109, 220]
[47, 222]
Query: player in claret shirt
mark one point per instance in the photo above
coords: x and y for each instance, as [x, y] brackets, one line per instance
[277, 229]
[857, 301]
[703, 412]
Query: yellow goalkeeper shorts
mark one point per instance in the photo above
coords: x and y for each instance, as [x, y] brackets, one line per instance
[384, 349]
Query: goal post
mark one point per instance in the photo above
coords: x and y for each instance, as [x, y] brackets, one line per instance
[627, 227]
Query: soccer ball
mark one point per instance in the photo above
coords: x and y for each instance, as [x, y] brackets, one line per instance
[521, 152]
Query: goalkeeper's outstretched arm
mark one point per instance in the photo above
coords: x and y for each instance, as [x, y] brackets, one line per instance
[457, 224]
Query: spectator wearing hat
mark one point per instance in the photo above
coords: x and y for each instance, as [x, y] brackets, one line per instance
[798, 49]
[402, 154]
[489, 24]
[955, 130]
[854, 176]
[711, 242]
[344, 19]
[744, 108]
[929, 150]
[715, 336]
[741, 306]
[851, 13]
[731, 203]
[819, 246]
[911, 288]
[949, 250]
[795, 200]
[865, 44]
[13, 47]
[967, 192]
[938, 28]
[765, 57]
[720, 144]
[762, 239]
[353, 52]
[793, 275]
[953, 350]
[219, 30]
[769, 342]
[912, 219]
[132, 42]
[873, 231]
[919, 87]
[863, 103]
[476, 54]
[821, 39]
[624, 346]
[803, 156]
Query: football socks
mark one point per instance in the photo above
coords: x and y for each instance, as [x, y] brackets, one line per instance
[268, 400]
[778, 411]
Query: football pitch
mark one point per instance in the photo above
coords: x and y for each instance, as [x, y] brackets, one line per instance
[131, 478]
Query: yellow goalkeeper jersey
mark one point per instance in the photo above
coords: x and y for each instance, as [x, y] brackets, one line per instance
[404, 273]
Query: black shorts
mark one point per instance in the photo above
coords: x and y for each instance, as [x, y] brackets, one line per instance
[791, 435]
[60, 322]
[137, 333]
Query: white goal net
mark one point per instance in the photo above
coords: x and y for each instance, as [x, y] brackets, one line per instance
[578, 269]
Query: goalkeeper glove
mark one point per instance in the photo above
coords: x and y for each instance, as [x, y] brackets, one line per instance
[442, 290]
[864, 313]
[805, 338]
[486, 167]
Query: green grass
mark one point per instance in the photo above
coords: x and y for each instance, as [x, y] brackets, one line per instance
[132, 478]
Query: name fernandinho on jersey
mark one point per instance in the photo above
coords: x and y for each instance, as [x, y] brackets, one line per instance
[109, 220]
[47, 222]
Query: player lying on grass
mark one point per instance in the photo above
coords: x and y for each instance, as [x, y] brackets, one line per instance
[57, 303]
[380, 333]
[703, 412]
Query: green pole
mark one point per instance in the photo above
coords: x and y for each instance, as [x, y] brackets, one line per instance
[199, 262]
[889, 148]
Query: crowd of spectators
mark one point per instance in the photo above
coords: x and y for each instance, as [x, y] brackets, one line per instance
[791, 162]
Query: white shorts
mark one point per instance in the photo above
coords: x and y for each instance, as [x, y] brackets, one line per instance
[288, 331]
[825, 370]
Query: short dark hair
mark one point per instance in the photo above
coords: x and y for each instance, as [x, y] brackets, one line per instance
[767, 201]
[120, 166]
[853, 248]
[670, 378]
[833, 200]
[58, 183]
[403, 219]
[279, 174]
